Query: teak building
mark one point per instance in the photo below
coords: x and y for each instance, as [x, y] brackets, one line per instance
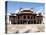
[26, 16]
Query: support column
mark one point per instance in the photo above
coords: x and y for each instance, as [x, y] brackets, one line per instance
[39, 21]
[33, 21]
[18, 20]
[36, 21]
[27, 21]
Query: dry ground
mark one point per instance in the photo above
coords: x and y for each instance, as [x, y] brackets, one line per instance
[12, 28]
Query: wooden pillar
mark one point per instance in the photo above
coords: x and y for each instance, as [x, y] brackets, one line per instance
[35, 19]
[39, 21]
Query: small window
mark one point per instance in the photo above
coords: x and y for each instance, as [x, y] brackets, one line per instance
[28, 17]
[24, 17]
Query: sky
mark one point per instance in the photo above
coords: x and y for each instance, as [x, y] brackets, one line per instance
[13, 5]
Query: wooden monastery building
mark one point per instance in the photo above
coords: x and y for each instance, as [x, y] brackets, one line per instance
[26, 16]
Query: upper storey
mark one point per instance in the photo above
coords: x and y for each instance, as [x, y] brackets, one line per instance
[25, 10]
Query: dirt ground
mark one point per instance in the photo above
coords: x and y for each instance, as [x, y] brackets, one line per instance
[12, 28]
